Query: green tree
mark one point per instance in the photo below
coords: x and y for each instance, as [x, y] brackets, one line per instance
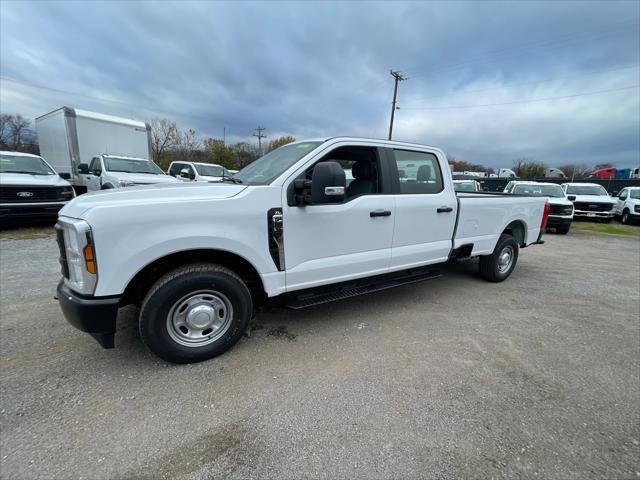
[220, 153]
[280, 141]
[528, 168]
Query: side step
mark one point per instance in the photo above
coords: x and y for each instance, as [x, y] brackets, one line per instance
[340, 291]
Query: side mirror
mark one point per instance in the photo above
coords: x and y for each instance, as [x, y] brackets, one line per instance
[571, 197]
[328, 183]
[185, 173]
[614, 193]
[83, 168]
[65, 176]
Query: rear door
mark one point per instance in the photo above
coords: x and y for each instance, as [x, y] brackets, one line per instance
[426, 208]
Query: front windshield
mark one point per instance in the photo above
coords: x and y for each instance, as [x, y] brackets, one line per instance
[24, 164]
[586, 190]
[539, 190]
[266, 169]
[211, 170]
[130, 165]
[464, 187]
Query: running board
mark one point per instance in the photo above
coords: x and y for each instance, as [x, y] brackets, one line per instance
[359, 287]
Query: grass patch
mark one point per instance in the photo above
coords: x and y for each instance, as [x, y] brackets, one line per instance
[607, 228]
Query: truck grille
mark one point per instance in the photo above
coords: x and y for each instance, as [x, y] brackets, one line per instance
[593, 207]
[561, 210]
[63, 251]
[31, 194]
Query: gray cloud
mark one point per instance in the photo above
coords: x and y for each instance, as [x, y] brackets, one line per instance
[315, 69]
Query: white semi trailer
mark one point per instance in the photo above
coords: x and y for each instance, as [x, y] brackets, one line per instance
[69, 137]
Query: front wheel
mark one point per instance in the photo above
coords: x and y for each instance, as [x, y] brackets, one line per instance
[499, 265]
[625, 217]
[195, 313]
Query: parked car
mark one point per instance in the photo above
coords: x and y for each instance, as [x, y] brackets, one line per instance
[30, 187]
[69, 137]
[561, 213]
[466, 186]
[198, 172]
[285, 228]
[627, 205]
[590, 200]
[111, 171]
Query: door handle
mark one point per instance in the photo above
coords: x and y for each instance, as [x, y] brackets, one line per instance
[444, 209]
[380, 213]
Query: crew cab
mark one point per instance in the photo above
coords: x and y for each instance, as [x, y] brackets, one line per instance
[561, 212]
[627, 205]
[30, 188]
[198, 172]
[113, 171]
[200, 258]
[590, 200]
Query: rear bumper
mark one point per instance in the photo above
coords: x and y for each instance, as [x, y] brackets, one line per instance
[29, 210]
[96, 316]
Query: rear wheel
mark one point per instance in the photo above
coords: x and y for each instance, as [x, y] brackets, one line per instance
[625, 217]
[195, 313]
[499, 265]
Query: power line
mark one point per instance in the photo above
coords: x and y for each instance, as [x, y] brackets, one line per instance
[551, 79]
[397, 78]
[525, 101]
[260, 136]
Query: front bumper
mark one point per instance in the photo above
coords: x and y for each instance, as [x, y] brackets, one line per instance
[94, 315]
[558, 221]
[588, 214]
[29, 210]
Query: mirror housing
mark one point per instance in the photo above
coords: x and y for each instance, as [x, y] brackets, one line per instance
[571, 197]
[83, 168]
[184, 173]
[65, 176]
[328, 183]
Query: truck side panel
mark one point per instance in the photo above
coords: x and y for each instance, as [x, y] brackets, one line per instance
[54, 142]
[482, 219]
[97, 137]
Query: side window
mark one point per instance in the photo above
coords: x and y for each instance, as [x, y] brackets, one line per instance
[188, 168]
[95, 166]
[175, 169]
[418, 172]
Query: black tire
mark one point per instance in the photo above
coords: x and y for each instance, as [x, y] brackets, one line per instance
[625, 217]
[106, 186]
[178, 287]
[563, 230]
[490, 265]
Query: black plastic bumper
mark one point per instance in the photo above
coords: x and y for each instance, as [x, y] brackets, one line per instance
[96, 316]
[29, 211]
[558, 221]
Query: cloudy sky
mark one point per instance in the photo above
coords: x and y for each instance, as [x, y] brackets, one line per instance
[487, 81]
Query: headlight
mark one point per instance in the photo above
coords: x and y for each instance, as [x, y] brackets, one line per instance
[125, 183]
[77, 255]
[568, 210]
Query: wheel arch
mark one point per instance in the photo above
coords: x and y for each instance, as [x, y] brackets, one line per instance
[142, 281]
[518, 230]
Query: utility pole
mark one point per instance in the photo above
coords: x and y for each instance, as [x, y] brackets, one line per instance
[224, 136]
[398, 78]
[260, 136]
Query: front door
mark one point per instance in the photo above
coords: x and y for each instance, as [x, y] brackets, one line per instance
[426, 210]
[93, 178]
[330, 243]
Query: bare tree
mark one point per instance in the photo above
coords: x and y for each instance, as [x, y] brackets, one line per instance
[16, 134]
[573, 170]
[245, 153]
[528, 168]
[187, 145]
[164, 137]
[5, 120]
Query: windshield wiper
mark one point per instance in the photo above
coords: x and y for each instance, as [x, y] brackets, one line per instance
[231, 179]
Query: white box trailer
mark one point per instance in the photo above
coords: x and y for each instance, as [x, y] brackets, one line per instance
[69, 137]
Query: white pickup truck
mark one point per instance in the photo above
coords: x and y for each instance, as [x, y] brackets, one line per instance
[199, 258]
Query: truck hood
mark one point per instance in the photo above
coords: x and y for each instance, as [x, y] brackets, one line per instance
[149, 194]
[20, 179]
[143, 178]
[559, 201]
[594, 198]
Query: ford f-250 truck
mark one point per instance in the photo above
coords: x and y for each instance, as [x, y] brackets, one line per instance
[199, 258]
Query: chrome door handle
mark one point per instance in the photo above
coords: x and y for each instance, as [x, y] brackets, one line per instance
[380, 213]
[444, 209]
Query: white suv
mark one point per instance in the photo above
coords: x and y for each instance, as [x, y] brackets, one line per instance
[628, 205]
[30, 187]
[198, 172]
[561, 213]
[114, 171]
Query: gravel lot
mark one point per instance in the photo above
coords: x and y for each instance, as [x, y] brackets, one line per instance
[537, 377]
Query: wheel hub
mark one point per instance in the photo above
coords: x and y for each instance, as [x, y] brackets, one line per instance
[199, 318]
[504, 259]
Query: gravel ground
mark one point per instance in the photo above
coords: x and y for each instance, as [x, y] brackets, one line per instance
[537, 377]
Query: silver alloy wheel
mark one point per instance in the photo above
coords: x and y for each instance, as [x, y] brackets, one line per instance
[505, 259]
[199, 318]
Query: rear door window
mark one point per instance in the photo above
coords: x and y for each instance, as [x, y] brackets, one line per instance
[418, 172]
